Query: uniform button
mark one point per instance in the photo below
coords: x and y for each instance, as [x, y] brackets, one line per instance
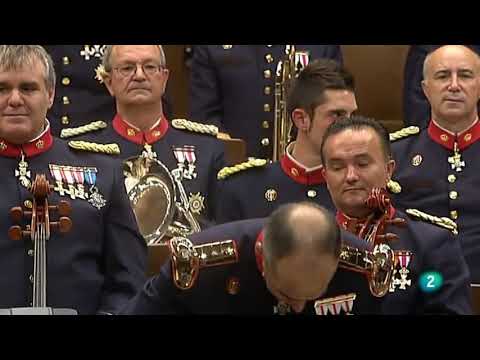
[65, 120]
[265, 125]
[453, 195]
[269, 46]
[3, 146]
[31, 278]
[66, 100]
[451, 179]
[66, 81]
[30, 252]
[267, 74]
[454, 214]
[266, 107]
[267, 90]
[311, 193]
[66, 60]
[265, 142]
[269, 58]
[28, 204]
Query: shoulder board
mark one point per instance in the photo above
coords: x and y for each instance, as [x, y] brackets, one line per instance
[394, 187]
[444, 222]
[93, 126]
[110, 149]
[404, 133]
[183, 124]
[230, 170]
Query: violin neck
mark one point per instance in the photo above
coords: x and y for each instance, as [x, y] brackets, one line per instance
[40, 269]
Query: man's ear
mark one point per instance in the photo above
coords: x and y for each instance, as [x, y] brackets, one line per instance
[301, 119]
[107, 80]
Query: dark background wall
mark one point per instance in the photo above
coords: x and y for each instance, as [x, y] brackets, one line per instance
[378, 70]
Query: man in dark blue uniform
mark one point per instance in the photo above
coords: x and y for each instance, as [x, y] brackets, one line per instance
[416, 106]
[357, 166]
[233, 87]
[278, 265]
[97, 266]
[436, 168]
[80, 95]
[137, 76]
[322, 93]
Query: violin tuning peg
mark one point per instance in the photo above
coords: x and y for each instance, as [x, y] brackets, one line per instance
[65, 224]
[64, 208]
[16, 213]
[16, 233]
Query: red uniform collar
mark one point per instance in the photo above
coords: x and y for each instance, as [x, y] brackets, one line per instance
[447, 139]
[351, 224]
[299, 174]
[137, 136]
[35, 147]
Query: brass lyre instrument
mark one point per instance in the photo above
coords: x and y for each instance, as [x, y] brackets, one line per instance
[39, 232]
[287, 70]
[188, 259]
[378, 266]
[158, 198]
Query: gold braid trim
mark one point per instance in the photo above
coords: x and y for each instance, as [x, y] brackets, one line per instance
[405, 132]
[110, 149]
[394, 187]
[442, 222]
[230, 170]
[93, 126]
[183, 124]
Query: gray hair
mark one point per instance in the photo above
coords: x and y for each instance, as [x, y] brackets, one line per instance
[107, 55]
[14, 57]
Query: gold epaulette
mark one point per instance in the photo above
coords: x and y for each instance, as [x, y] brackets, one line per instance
[230, 170]
[405, 132]
[100, 74]
[183, 124]
[93, 126]
[444, 222]
[394, 187]
[110, 149]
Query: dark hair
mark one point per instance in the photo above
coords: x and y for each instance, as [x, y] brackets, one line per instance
[307, 90]
[281, 236]
[358, 122]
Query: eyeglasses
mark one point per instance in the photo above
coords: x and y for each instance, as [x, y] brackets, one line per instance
[148, 69]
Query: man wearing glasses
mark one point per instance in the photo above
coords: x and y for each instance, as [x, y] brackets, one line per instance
[136, 76]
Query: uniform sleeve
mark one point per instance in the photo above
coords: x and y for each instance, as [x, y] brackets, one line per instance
[158, 297]
[205, 93]
[214, 184]
[228, 206]
[125, 251]
[454, 296]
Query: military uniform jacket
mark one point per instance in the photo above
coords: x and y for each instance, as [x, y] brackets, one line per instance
[208, 156]
[238, 288]
[80, 96]
[433, 249]
[432, 184]
[101, 262]
[233, 87]
[257, 192]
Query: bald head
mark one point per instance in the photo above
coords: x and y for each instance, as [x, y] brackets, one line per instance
[305, 229]
[447, 51]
